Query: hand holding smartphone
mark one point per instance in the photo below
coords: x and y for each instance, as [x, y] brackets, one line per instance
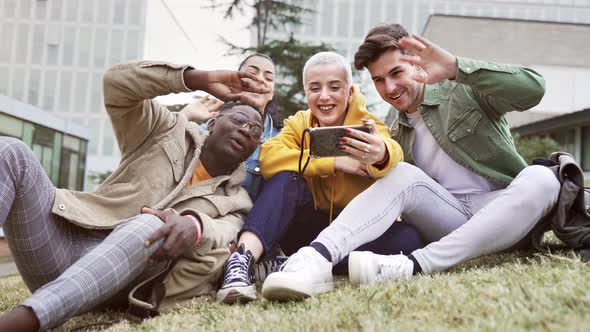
[325, 141]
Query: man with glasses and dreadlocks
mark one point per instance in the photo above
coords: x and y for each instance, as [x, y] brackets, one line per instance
[160, 225]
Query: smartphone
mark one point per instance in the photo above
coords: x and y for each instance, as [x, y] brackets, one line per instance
[324, 141]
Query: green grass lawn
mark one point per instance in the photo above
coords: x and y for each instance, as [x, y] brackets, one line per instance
[506, 292]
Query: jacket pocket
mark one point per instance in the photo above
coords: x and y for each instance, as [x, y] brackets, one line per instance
[474, 135]
[465, 125]
[176, 158]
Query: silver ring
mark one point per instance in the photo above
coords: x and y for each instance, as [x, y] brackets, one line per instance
[365, 156]
[367, 148]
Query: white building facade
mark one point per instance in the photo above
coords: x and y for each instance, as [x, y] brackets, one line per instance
[343, 24]
[55, 52]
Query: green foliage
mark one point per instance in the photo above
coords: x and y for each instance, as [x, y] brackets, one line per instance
[99, 177]
[532, 147]
[269, 14]
[288, 54]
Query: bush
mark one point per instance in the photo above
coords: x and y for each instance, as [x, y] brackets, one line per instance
[532, 147]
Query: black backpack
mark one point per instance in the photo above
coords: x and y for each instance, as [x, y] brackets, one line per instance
[570, 218]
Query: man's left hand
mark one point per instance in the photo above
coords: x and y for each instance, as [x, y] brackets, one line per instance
[437, 63]
[179, 234]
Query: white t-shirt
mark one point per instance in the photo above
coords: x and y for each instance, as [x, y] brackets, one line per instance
[435, 162]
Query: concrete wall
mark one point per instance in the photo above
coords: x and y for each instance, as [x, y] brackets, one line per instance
[559, 51]
[512, 41]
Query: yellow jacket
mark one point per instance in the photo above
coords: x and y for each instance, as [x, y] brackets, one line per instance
[281, 153]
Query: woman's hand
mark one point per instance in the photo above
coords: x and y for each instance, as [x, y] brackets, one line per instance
[367, 148]
[351, 166]
[202, 109]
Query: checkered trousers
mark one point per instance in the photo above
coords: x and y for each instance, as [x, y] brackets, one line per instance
[69, 269]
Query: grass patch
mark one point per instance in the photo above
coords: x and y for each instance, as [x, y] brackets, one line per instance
[506, 292]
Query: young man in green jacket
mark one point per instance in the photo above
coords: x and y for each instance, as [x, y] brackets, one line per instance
[463, 185]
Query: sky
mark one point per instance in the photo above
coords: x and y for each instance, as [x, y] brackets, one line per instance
[165, 41]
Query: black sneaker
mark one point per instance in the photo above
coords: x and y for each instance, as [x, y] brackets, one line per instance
[238, 280]
[263, 268]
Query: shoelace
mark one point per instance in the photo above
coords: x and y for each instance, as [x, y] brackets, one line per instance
[272, 265]
[297, 261]
[237, 268]
[391, 270]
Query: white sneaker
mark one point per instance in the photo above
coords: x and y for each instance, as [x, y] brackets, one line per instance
[304, 274]
[365, 267]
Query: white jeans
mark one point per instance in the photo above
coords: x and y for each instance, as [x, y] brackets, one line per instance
[457, 227]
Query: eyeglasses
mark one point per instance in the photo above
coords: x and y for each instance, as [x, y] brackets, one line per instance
[242, 121]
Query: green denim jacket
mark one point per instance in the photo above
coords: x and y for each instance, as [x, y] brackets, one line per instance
[467, 116]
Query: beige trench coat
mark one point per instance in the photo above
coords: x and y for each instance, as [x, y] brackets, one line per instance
[159, 153]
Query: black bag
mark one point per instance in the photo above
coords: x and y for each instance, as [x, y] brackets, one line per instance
[570, 218]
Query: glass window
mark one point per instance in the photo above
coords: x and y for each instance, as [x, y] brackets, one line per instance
[56, 8]
[37, 52]
[116, 48]
[71, 143]
[10, 126]
[65, 91]
[97, 100]
[375, 11]
[56, 158]
[28, 130]
[119, 12]
[93, 126]
[46, 159]
[52, 54]
[84, 44]
[22, 42]
[132, 41]
[343, 19]
[10, 8]
[108, 139]
[586, 148]
[4, 74]
[358, 25]
[72, 10]
[82, 166]
[43, 147]
[134, 12]
[100, 47]
[73, 170]
[34, 82]
[68, 49]
[81, 90]
[49, 90]
[25, 9]
[7, 36]
[41, 9]
[87, 11]
[327, 17]
[72, 166]
[18, 83]
[104, 11]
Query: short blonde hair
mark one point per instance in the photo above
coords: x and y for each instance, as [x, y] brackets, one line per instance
[328, 58]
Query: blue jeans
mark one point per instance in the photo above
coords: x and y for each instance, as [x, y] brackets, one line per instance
[284, 215]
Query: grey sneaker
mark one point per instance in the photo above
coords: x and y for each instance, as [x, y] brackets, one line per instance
[265, 267]
[238, 280]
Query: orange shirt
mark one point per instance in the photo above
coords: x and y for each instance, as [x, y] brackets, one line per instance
[200, 174]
